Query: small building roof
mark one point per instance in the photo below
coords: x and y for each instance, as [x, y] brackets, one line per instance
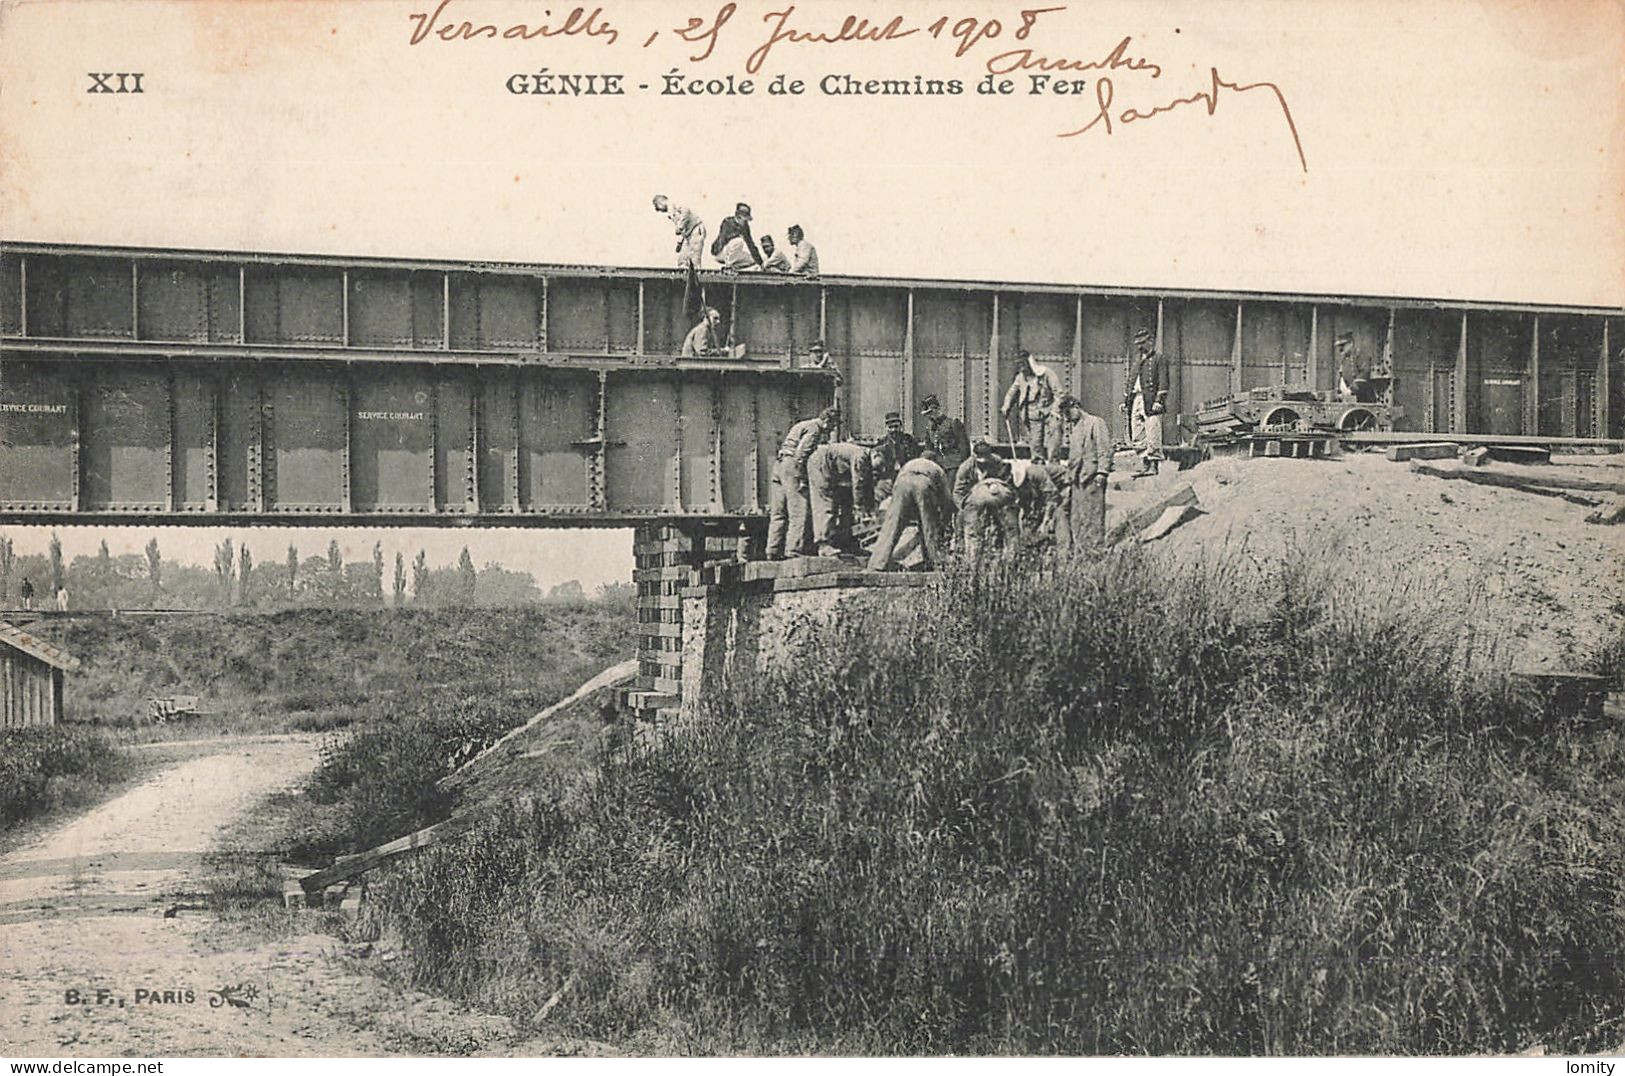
[18, 639]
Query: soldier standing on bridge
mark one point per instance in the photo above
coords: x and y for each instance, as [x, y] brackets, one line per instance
[690, 231]
[27, 592]
[789, 524]
[1145, 399]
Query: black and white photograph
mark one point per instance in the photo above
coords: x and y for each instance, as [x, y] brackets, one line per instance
[811, 529]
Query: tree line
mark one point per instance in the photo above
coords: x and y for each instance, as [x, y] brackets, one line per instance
[239, 578]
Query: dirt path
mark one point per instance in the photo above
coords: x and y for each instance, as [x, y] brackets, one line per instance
[83, 909]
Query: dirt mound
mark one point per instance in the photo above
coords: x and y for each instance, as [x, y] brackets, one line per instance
[1551, 583]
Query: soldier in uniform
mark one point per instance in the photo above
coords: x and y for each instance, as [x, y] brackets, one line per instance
[789, 526]
[898, 445]
[988, 502]
[920, 498]
[842, 481]
[1145, 400]
[944, 435]
[1353, 370]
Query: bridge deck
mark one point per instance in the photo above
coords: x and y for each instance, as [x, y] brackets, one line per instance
[230, 387]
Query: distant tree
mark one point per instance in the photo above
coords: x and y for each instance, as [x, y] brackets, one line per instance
[105, 555]
[245, 567]
[420, 575]
[378, 569]
[293, 568]
[56, 563]
[467, 577]
[400, 579]
[568, 591]
[617, 592]
[155, 565]
[335, 559]
[499, 586]
[224, 559]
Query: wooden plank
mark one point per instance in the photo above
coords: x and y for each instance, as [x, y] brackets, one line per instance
[1530, 481]
[354, 866]
[649, 575]
[1525, 454]
[1428, 450]
[1394, 437]
[1141, 518]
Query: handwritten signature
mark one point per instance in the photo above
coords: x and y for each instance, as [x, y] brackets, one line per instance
[1120, 59]
[1105, 91]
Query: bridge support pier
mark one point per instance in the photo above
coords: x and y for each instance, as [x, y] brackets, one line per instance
[709, 616]
[665, 555]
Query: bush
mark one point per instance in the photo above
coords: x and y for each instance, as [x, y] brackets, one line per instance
[379, 780]
[52, 766]
[1135, 809]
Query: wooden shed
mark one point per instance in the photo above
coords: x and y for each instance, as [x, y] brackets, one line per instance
[31, 675]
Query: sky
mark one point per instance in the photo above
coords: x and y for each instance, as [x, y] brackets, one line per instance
[1450, 148]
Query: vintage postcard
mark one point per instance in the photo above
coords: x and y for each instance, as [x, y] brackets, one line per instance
[811, 527]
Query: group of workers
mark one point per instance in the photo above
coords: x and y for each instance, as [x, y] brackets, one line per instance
[1034, 411]
[734, 247]
[735, 250]
[922, 483]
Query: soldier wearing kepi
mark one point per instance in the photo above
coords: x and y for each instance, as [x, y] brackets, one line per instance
[899, 445]
[944, 435]
[1145, 400]
[1080, 525]
[842, 481]
[920, 498]
[789, 526]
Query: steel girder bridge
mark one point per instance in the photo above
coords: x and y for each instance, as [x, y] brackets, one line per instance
[214, 387]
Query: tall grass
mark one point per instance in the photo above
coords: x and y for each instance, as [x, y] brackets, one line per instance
[1119, 808]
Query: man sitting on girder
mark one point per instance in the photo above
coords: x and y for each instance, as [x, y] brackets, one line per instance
[733, 247]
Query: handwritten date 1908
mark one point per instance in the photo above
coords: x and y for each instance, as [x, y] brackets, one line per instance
[968, 32]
